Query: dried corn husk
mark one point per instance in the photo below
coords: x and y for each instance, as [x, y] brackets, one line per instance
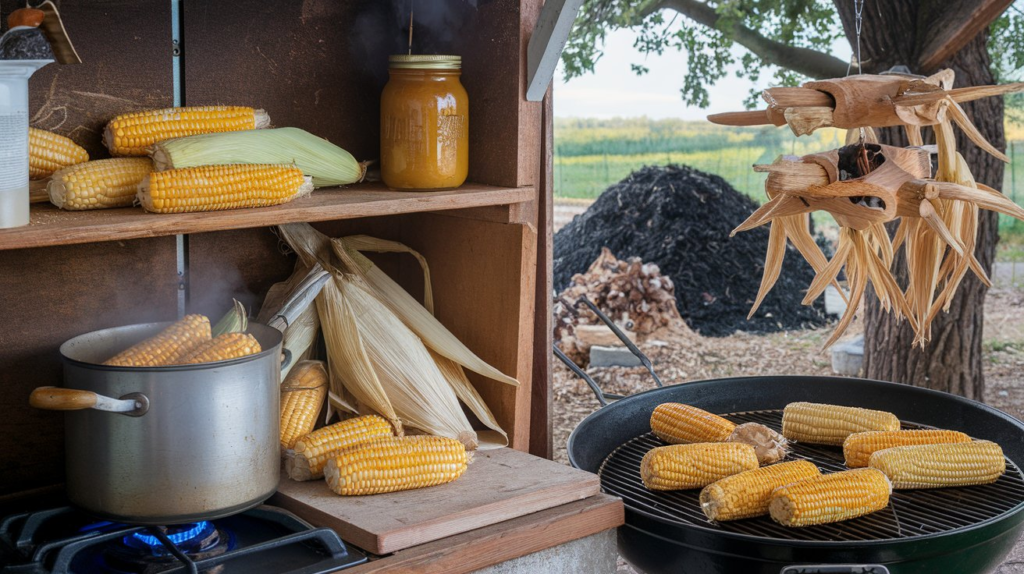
[419, 318]
[386, 352]
[468, 394]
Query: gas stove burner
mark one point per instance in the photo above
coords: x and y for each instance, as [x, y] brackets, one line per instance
[159, 548]
[186, 537]
[262, 539]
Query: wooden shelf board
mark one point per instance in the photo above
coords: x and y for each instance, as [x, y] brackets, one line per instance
[483, 547]
[50, 226]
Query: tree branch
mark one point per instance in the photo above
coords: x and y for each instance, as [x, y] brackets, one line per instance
[804, 61]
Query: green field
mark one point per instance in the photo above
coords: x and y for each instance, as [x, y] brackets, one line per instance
[592, 154]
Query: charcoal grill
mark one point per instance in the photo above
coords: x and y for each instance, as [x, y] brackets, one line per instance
[956, 530]
[966, 530]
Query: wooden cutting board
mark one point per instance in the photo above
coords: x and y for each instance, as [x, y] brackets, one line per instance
[499, 485]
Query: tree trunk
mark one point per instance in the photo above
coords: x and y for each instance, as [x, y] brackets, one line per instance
[952, 361]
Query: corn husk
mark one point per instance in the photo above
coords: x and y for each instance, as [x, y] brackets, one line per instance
[327, 163]
[299, 338]
[378, 359]
[234, 321]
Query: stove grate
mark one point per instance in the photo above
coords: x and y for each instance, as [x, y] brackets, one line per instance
[911, 513]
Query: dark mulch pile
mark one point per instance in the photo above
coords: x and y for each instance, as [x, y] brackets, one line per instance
[680, 218]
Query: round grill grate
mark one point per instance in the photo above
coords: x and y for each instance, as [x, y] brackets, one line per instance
[910, 513]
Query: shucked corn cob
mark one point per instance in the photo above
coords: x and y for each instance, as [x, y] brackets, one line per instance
[676, 423]
[302, 395]
[683, 466]
[396, 463]
[98, 184]
[48, 152]
[858, 447]
[312, 451]
[214, 187]
[133, 133]
[830, 498]
[817, 423]
[168, 346]
[941, 465]
[222, 348]
[748, 493]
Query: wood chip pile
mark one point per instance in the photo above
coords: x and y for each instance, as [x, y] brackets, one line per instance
[634, 294]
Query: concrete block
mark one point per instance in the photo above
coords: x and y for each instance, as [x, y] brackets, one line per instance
[834, 303]
[612, 357]
[595, 554]
[848, 357]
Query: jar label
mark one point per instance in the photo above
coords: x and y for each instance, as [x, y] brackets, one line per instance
[14, 151]
[451, 129]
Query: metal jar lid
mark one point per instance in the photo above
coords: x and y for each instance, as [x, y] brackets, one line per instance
[425, 62]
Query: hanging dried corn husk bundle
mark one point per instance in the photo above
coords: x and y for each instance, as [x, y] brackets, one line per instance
[864, 185]
[386, 352]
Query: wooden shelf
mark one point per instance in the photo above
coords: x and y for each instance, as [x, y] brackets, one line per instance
[50, 226]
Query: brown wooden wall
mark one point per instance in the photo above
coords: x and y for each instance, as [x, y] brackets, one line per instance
[315, 64]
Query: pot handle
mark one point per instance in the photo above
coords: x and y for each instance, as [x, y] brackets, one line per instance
[61, 399]
[836, 569]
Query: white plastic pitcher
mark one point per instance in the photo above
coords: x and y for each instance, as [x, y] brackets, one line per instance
[14, 199]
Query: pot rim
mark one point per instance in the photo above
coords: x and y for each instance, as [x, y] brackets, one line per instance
[259, 331]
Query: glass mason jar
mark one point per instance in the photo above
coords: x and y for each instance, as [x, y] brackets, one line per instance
[424, 124]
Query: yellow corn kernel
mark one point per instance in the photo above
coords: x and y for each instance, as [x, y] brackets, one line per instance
[830, 498]
[941, 465]
[391, 464]
[302, 395]
[49, 152]
[222, 348]
[858, 447]
[816, 423]
[168, 346]
[98, 184]
[683, 466]
[215, 187]
[312, 451]
[676, 423]
[133, 133]
[748, 493]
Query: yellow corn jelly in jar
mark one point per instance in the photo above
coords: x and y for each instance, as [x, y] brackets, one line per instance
[424, 124]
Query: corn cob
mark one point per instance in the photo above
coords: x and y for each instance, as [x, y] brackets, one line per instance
[683, 466]
[391, 464]
[830, 498]
[748, 493]
[941, 465]
[98, 184]
[312, 451]
[168, 346]
[222, 348]
[214, 187]
[676, 423]
[858, 447]
[302, 395]
[817, 423]
[48, 152]
[134, 133]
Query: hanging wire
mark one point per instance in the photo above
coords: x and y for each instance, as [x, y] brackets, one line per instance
[858, 11]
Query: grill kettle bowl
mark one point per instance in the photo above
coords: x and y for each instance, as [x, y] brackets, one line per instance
[656, 544]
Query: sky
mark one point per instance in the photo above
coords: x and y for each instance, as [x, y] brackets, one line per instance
[613, 90]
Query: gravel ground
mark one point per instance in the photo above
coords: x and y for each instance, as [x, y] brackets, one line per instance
[697, 358]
